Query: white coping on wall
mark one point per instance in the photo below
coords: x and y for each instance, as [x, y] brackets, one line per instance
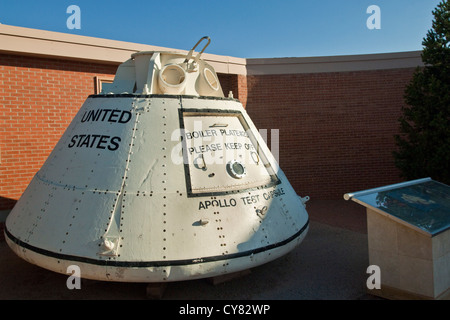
[26, 41]
[41, 43]
[346, 63]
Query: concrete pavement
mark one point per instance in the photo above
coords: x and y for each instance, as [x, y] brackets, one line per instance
[330, 264]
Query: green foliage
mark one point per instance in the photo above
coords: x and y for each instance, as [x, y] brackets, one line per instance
[424, 142]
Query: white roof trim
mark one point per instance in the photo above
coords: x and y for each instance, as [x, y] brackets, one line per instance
[346, 63]
[26, 41]
[33, 42]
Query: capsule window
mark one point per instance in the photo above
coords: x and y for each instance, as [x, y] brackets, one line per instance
[236, 169]
[172, 79]
[173, 74]
[211, 79]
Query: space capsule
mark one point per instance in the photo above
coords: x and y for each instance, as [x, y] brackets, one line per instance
[158, 178]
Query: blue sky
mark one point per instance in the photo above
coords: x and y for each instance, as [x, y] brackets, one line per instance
[244, 28]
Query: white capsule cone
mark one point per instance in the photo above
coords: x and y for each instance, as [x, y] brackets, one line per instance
[146, 187]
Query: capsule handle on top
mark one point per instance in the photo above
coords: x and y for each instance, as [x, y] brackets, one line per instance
[189, 55]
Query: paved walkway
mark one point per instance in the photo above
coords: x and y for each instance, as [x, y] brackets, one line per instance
[329, 264]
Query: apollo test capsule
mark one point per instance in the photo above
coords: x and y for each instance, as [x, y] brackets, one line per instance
[158, 178]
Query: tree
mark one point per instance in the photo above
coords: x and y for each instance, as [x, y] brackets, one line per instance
[424, 143]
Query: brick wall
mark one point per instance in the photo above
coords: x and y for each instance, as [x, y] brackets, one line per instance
[335, 129]
[38, 99]
[236, 83]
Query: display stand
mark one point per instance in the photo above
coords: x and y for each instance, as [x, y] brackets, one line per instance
[408, 227]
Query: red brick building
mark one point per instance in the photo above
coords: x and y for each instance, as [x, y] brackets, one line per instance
[336, 116]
